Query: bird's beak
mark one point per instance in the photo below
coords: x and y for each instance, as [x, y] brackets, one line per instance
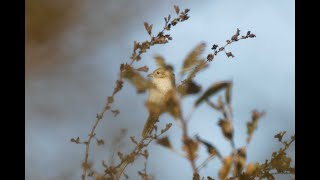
[150, 75]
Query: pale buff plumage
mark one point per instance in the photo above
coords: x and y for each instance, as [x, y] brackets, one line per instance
[163, 81]
[161, 99]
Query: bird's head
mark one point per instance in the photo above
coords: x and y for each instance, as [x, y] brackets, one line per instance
[161, 73]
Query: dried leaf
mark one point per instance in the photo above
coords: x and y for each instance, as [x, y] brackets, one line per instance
[193, 58]
[224, 171]
[240, 160]
[160, 61]
[125, 175]
[136, 79]
[214, 47]
[196, 176]
[228, 93]
[168, 126]
[280, 161]
[110, 99]
[100, 142]
[77, 140]
[226, 128]
[177, 9]
[148, 27]
[209, 178]
[280, 135]
[191, 148]
[115, 112]
[212, 90]
[143, 69]
[165, 142]
[87, 165]
[229, 54]
[119, 85]
[122, 67]
[210, 57]
[174, 22]
[135, 57]
[202, 64]
[136, 45]
[188, 88]
[183, 16]
[120, 155]
[250, 169]
[251, 126]
[210, 148]
[133, 140]
[235, 37]
[146, 154]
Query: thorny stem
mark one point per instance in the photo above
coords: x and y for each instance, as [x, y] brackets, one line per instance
[91, 135]
[124, 164]
[138, 147]
[99, 117]
[288, 145]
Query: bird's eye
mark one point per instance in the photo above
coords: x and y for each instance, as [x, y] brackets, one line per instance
[158, 72]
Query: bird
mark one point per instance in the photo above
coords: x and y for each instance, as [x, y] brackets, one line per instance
[162, 98]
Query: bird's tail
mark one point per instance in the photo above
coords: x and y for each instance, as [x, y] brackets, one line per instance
[152, 119]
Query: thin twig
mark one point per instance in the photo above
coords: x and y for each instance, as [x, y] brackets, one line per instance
[91, 135]
[139, 146]
[205, 162]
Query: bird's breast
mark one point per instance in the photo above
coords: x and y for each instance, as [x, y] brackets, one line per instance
[157, 94]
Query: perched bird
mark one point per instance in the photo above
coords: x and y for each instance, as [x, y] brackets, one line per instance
[162, 97]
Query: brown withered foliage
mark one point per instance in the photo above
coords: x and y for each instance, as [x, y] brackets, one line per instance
[234, 165]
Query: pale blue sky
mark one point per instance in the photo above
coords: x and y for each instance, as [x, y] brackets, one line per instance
[62, 100]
